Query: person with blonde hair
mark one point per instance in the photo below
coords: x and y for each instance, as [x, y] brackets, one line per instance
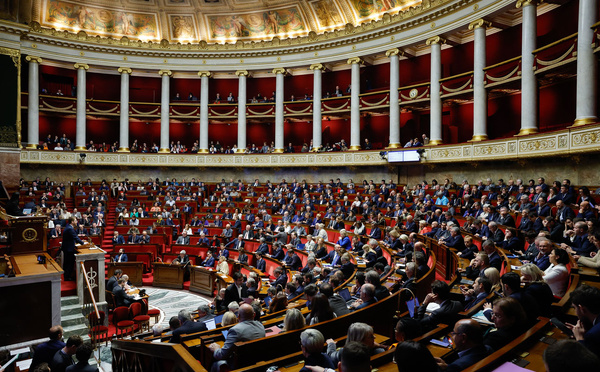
[222, 266]
[294, 320]
[358, 332]
[494, 276]
[229, 318]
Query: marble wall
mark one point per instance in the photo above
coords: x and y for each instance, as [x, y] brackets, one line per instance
[10, 170]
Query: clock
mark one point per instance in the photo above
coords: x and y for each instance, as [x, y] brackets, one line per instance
[413, 93]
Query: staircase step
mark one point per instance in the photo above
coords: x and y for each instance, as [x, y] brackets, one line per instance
[73, 320]
[69, 300]
[70, 310]
[79, 329]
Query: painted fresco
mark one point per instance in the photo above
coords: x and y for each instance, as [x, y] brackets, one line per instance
[369, 8]
[100, 20]
[327, 13]
[257, 25]
[183, 27]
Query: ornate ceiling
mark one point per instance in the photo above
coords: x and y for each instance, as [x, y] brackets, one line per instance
[212, 21]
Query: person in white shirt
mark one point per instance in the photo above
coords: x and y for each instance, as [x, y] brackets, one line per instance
[557, 274]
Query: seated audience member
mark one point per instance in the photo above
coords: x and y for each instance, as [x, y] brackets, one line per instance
[381, 291]
[182, 259]
[121, 297]
[593, 262]
[236, 291]
[414, 357]
[209, 261]
[63, 358]
[280, 278]
[247, 329]
[586, 302]
[222, 266]
[477, 266]
[533, 278]
[509, 319]
[544, 246]
[45, 351]
[511, 287]
[311, 343]
[117, 239]
[358, 332]
[447, 311]
[467, 338]
[577, 242]
[187, 326]
[320, 310]
[367, 297]
[204, 313]
[495, 260]
[569, 355]
[470, 248]
[295, 320]
[113, 279]
[481, 289]
[337, 302]
[557, 274]
[121, 256]
[83, 354]
[229, 318]
[184, 239]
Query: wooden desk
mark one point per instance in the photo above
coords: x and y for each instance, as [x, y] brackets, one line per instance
[133, 269]
[167, 275]
[202, 280]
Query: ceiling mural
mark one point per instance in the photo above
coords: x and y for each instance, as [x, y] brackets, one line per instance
[212, 21]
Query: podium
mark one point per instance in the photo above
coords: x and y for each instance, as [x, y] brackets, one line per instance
[28, 234]
[168, 275]
[202, 280]
[92, 259]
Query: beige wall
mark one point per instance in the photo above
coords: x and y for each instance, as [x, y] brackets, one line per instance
[583, 170]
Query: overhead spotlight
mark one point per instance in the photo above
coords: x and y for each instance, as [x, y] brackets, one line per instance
[383, 155]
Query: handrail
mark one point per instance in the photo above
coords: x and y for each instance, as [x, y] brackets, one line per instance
[517, 58]
[90, 289]
[456, 76]
[548, 46]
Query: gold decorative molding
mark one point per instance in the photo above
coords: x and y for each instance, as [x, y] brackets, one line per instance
[479, 23]
[479, 137]
[125, 70]
[123, 149]
[354, 148]
[80, 148]
[435, 40]
[524, 3]
[527, 131]
[393, 146]
[279, 70]
[15, 54]
[165, 72]
[278, 151]
[164, 151]
[33, 59]
[317, 66]
[204, 74]
[584, 121]
[203, 151]
[84, 66]
[435, 142]
[242, 73]
[355, 60]
[394, 52]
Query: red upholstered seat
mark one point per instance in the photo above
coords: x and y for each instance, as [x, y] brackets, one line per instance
[141, 320]
[98, 331]
[122, 322]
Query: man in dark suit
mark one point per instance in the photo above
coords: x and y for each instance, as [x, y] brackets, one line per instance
[455, 240]
[367, 297]
[586, 301]
[187, 326]
[263, 248]
[278, 253]
[237, 291]
[64, 357]
[121, 256]
[261, 264]
[183, 239]
[121, 297]
[112, 282]
[481, 289]
[45, 351]
[69, 238]
[467, 338]
[209, 261]
[117, 238]
[83, 354]
[236, 243]
[493, 255]
[446, 313]
[182, 259]
[291, 259]
[496, 234]
[133, 238]
[577, 242]
[280, 278]
[347, 267]
[337, 303]
[505, 218]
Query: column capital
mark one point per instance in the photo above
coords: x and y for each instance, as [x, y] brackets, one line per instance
[317, 66]
[242, 73]
[524, 3]
[394, 52]
[435, 40]
[165, 72]
[81, 66]
[204, 74]
[124, 70]
[354, 60]
[33, 59]
[479, 23]
[279, 70]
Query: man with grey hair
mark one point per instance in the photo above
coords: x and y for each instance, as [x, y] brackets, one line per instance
[367, 297]
[187, 326]
[455, 240]
[311, 342]
[496, 234]
[204, 313]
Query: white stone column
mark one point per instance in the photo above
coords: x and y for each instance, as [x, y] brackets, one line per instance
[164, 110]
[33, 104]
[394, 55]
[279, 97]
[242, 99]
[435, 111]
[81, 106]
[204, 75]
[529, 89]
[124, 106]
[355, 63]
[587, 68]
[317, 95]
[479, 93]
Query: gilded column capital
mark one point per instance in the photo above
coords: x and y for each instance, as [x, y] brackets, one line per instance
[81, 65]
[479, 23]
[242, 73]
[435, 40]
[354, 60]
[524, 3]
[165, 72]
[33, 59]
[317, 66]
[394, 52]
[124, 70]
[204, 73]
[279, 70]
